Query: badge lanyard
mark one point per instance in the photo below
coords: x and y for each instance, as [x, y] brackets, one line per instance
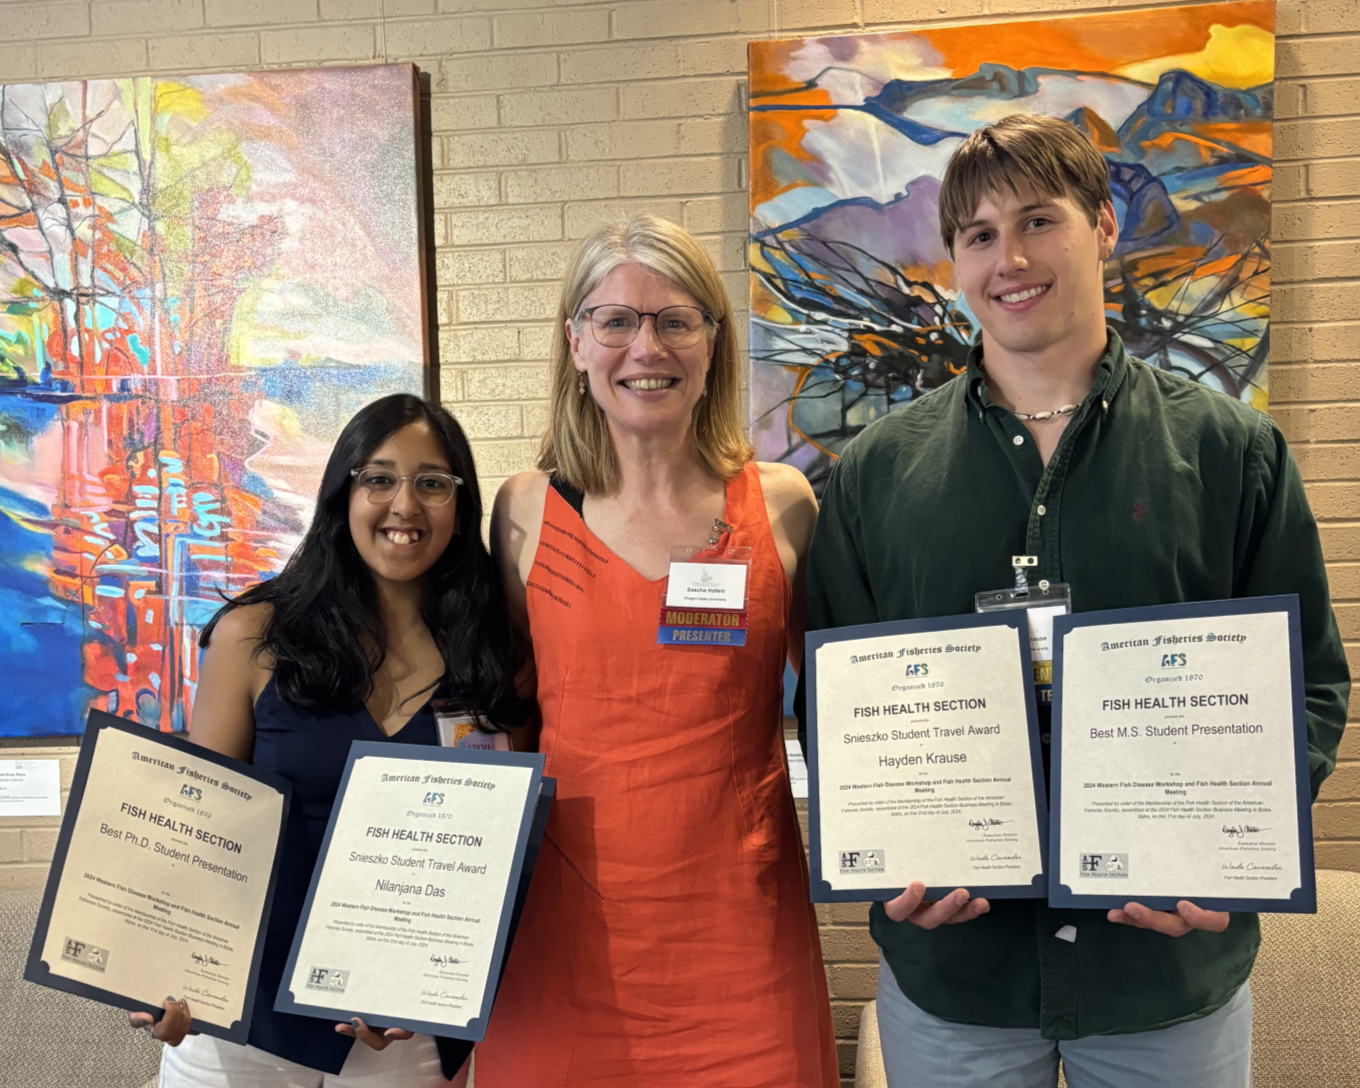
[707, 593]
[1041, 603]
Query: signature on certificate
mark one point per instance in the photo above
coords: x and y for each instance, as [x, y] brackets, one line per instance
[1236, 831]
[204, 960]
[986, 822]
[443, 961]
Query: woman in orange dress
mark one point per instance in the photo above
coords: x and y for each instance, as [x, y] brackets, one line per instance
[668, 939]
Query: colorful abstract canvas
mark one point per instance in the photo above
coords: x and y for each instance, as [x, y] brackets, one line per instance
[201, 280]
[853, 307]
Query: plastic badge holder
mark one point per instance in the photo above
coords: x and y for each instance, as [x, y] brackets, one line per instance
[1042, 602]
[459, 730]
[697, 624]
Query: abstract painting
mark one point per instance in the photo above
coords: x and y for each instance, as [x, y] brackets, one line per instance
[201, 280]
[853, 306]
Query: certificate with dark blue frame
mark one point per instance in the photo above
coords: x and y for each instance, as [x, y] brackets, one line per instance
[1014, 680]
[1198, 811]
[162, 822]
[432, 777]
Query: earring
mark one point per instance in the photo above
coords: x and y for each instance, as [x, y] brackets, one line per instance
[704, 391]
[580, 383]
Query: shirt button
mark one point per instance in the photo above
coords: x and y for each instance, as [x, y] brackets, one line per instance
[1042, 509]
[1018, 440]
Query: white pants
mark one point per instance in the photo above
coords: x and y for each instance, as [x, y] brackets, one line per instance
[204, 1062]
[923, 1051]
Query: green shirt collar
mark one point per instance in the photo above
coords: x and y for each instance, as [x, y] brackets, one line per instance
[1110, 373]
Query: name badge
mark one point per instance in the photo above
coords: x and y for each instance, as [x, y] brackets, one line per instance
[707, 585]
[1041, 618]
[1041, 603]
[706, 598]
[458, 730]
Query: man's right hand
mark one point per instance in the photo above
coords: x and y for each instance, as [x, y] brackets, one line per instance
[955, 907]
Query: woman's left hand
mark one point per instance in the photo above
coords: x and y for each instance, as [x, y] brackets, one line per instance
[357, 1029]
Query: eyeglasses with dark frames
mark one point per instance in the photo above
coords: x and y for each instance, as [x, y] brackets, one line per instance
[431, 488]
[616, 326]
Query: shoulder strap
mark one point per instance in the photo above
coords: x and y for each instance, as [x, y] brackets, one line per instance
[572, 496]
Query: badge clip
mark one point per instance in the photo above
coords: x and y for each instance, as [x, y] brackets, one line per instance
[720, 527]
[1021, 563]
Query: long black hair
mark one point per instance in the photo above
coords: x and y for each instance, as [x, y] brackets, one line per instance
[325, 633]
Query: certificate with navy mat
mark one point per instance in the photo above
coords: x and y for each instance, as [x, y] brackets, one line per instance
[1180, 758]
[923, 760]
[409, 915]
[162, 878]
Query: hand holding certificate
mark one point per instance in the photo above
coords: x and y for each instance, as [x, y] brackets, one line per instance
[162, 878]
[923, 760]
[410, 908]
[1180, 763]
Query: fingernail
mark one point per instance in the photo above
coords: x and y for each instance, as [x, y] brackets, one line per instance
[356, 1021]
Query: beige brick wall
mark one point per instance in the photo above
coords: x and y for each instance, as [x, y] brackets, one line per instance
[548, 116]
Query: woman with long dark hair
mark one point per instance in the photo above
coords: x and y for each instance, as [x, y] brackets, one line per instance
[390, 601]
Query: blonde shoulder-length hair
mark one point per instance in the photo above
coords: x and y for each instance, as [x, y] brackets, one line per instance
[578, 446]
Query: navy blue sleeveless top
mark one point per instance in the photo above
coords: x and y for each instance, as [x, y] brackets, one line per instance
[309, 748]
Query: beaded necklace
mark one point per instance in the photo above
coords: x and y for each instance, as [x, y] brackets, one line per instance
[1039, 417]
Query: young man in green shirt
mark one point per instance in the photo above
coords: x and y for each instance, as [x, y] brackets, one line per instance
[1135, 487]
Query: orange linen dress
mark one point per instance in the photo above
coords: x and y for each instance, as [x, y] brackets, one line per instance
[667, 940]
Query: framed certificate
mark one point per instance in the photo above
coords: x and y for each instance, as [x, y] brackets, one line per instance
[924, 760]
[420, 879]
[163, 877]
[1180, 758]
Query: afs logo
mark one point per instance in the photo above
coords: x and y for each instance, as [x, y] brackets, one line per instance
[84, 953]
[327, 979]
[921, 668]
[1105, 866]
[861, 861]
[1173, 661]
[433, 799]
[191, 792]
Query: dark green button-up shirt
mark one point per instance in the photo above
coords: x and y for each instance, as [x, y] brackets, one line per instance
[1160, 491]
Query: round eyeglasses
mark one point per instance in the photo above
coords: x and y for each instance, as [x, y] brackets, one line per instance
[676, 326]
[431, 488]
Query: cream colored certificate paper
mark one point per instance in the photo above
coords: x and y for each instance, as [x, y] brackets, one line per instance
[408, 904]
[924, 767]
[165, 879]
[1178, 760]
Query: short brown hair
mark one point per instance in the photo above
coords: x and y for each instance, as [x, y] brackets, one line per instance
[577, 444]
[1046, 154]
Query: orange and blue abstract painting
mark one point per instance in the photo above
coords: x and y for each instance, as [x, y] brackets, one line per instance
[201, 280]
[854, 310]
